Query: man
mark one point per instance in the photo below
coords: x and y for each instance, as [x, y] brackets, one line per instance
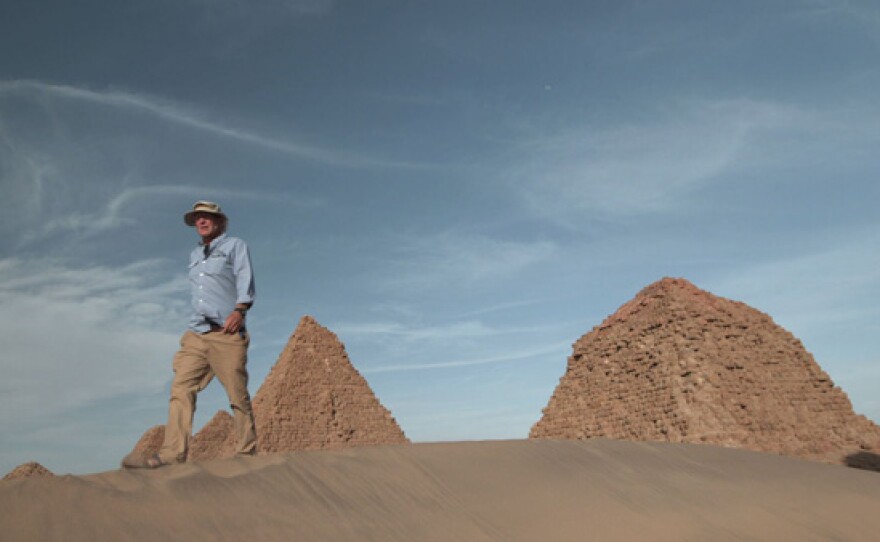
[216, 342]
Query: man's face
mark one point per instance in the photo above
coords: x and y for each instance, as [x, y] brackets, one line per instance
[207, 225]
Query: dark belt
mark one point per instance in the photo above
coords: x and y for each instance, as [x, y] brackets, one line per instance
[217, 328]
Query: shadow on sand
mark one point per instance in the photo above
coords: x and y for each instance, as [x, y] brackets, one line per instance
[864, 460]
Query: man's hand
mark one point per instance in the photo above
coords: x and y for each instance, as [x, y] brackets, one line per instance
[233, 322]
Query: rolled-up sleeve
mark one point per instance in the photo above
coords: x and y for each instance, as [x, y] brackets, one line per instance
[244, 274]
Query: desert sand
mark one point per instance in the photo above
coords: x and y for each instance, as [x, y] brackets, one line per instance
[524, 490]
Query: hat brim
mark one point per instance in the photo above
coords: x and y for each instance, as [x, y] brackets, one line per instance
[190, 217]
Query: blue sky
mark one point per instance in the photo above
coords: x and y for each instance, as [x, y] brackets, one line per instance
[459, 190]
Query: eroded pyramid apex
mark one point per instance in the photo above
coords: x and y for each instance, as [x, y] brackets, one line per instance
[28, 470]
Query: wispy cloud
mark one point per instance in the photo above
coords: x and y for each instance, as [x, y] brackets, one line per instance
[865, 13]
[295, 7]
[449, 332]
[832, 284]
[638, 169]
[79, 336]
[117, 211]
[460, 258]
[73, 188]
[82, 347]
[518, 355]
[187, 116]
[111, 216]
[27, 177]
[502, 307]
[307, 6]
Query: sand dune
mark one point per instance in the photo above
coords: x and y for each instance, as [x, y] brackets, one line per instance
[475, 491]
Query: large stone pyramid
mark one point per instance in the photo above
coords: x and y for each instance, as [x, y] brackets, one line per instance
[682, 365]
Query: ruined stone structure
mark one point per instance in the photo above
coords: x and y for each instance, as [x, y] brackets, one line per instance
[213, 441]
[210, 441]
[150, 441]
[28, 470]
[682, 365]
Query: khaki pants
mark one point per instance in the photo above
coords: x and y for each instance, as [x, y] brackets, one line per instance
[201, 356]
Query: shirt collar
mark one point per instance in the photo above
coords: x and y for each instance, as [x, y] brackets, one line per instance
[216, 240]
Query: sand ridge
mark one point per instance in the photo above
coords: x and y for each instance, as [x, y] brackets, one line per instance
[495, 490]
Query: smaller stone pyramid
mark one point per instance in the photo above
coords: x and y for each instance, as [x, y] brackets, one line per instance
[679, 364]
[28, 470]
[314, 398]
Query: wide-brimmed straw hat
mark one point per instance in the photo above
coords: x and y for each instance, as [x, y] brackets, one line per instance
[202, 207]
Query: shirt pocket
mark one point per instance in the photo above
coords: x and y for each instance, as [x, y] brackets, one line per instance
[214, 265]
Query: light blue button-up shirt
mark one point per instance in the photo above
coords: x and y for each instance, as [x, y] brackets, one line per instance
[219, 281]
